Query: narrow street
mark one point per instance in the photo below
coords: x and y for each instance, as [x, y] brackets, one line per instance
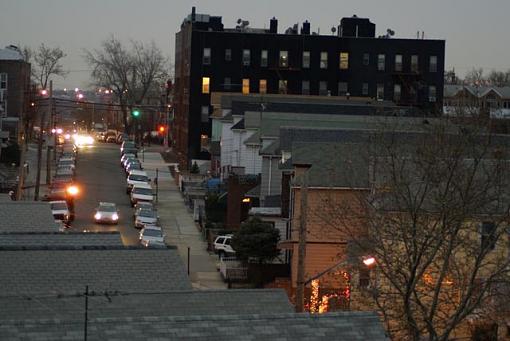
[101, 178]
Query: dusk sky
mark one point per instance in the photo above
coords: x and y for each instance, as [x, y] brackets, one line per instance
[476, 32]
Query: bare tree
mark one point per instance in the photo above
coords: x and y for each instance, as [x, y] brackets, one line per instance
[434, 213]
[499, 78]
[132, 74]
[475, 77]
[46, 62]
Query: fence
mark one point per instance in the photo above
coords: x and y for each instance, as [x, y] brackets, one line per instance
[231, 269]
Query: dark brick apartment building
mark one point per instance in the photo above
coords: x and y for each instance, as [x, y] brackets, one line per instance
[352, 62]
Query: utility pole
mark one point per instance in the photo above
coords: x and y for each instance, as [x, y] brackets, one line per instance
[22, 157]
[39, 156]
[300, 285]
[50, 126]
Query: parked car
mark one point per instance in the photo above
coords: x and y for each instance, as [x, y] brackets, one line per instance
[122, 137]
[133, 165]
[146, 217]
[106, 212]
[126, 159]
[111, 138]
[60, 211]
[152, 236]
[143, 205]
[135, 179]
[141, 193]
[127, 145]
[222, 245]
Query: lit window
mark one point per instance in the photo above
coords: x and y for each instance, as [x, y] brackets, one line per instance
[306, 59]
[381, 62]
[205, 113]
[282, 86]
[414, 63]
[397, 91]
[206, 57]
[364, 89]
[246, 86]
[205, 85]
[323, 88]
[324, 60]
[342, 88]
[433, 64]
[305, 87]
[380, 92]
[432, 94]
[366, 59]
[227, 83]
[284, 59]
[344, 60]
[263, 86]
[204, 142]
[398, 62]
[263, 58]
[228, 55]
[246, 57]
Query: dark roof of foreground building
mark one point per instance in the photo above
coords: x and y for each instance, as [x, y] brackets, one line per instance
[277, 326]
[26, 216]
[46, 270]
[16, 240]
[173, 303]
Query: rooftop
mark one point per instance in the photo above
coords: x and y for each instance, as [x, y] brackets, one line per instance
[67, 270]
[29, 240]
[26, 216]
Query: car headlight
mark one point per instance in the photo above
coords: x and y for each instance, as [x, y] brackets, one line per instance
[115, 216]
[97, 216]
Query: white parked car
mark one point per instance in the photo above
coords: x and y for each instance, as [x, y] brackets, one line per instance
[152, 236]
[146, 217]
[141, 193]
[106, 212]
[60, 211]
[135, 179]
[222, 245]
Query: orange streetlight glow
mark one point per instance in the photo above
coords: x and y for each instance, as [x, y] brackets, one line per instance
[369, 261]
[73, 190]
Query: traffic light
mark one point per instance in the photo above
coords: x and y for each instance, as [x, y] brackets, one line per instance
[135, 112]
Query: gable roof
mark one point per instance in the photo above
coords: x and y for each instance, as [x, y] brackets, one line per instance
[171, 303]
[332, 164]
[284, 326]
[26, 216]
[16, 240]
[47, 270]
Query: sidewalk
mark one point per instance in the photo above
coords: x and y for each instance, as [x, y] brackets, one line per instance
[179, 226]
[30, 177]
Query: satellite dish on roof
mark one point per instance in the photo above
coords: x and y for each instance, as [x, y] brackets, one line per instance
[239, 20]
[333, 29]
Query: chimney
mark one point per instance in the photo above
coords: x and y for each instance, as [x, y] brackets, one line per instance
[273, 25]
[306, 28]
[193, 9]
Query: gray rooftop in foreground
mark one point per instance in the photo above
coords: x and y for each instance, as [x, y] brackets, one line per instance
[278, 326]
[26, 216]
[56, 239]
[46, 270]
[174, 303]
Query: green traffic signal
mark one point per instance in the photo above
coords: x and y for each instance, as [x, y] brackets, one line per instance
[135, 113]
